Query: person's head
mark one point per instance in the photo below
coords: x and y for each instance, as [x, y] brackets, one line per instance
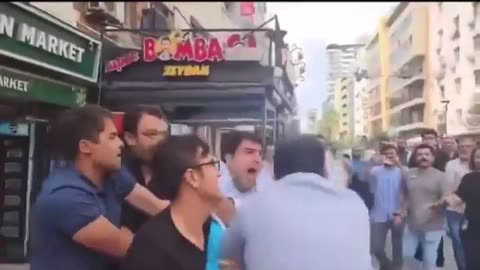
[390, 154]
[465, 148]
[401, 145]
[243, 152]
[424, 155]
[449, 144]
[430, 137]
[165, 43]
[475, 159]
[183, 168]
[304, 154]
[346, 156]
[145, 127]
[88, 135]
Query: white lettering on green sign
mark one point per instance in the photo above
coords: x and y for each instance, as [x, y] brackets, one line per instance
[12, 83]
[40, 39]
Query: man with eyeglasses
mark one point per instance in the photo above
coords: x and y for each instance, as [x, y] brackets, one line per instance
[145, 127]
[178, 238]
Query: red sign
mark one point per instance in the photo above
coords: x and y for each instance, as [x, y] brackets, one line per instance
[118, 121]
[176, 48]
[247, 8]
[245, 41]
[121, 62]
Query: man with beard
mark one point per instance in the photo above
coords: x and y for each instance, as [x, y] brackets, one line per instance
[186, 174]
[402, 151]
[430, 137]
[425, 185]
[243, 154]
[145, 127]
[77, 214]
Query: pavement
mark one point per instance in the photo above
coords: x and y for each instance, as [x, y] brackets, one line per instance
[447, 250]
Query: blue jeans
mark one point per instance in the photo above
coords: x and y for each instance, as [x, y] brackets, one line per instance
[455, 222]
[429, 242]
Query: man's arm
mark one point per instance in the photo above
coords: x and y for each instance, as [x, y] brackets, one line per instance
[142, 199]
[76, 213]
[403, 192]
[234, 243]
[137, 195]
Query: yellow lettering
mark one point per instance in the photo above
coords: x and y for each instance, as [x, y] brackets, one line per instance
[189, 70]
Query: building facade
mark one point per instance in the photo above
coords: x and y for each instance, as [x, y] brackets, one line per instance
[340, 60]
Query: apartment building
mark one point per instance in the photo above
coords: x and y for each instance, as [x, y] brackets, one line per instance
[360, 100]
[340, 59]
[344, 106]
[456, 47]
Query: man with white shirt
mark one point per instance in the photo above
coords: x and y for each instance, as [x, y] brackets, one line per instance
[455, 170]
[243, 154]
[302, 221]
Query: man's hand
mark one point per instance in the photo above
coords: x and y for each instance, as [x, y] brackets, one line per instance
[142, 199]
[439, 204]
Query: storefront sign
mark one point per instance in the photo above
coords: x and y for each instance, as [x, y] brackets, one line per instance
[17, 84]
[33, 36]
[186, 71]
[121, 62]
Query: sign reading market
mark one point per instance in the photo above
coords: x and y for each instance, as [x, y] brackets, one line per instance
[175, 48]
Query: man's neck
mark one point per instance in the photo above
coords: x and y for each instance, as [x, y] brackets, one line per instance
[424, 168]
[189, 214]
[89, 170]
[463, 161]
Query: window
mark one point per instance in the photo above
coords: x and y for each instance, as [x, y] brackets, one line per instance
[442, 91]
[458, 86]
[456, 22]
[456, 52]
[476, 73]
[476, 42]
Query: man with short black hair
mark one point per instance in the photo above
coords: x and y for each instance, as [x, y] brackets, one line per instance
[387, 183]
[77, 214]
[186, 174]
[243, 155]
[289, 225]
[145, 127]
[425, 185]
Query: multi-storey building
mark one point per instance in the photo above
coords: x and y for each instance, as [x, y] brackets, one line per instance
[456, 52]
[340, 59]
[360, 101]
[344, 107]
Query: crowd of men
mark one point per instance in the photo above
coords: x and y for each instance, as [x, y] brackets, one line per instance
[407, 195]
[146, 200]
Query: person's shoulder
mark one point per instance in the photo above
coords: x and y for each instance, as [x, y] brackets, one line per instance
[159, 225]
[471, 176]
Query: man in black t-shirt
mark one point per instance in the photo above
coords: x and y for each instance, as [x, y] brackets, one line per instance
[185, 173]
[145, 127]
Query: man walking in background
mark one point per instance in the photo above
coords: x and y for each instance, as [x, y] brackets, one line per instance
[455, 170]
[388, 212]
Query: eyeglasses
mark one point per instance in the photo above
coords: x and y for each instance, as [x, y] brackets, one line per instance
[155, 134]
[215, 163]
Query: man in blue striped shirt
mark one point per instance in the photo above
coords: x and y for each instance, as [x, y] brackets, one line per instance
[387, 185]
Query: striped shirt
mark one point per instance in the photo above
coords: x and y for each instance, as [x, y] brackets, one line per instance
[386, 186]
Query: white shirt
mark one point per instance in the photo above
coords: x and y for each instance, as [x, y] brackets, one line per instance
[455, 170]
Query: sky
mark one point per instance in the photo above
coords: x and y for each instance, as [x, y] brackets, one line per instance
[313, 25]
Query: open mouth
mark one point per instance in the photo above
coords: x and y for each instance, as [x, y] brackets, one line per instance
[252, 171]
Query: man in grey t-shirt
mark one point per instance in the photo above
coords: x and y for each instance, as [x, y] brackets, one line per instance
[424, 185]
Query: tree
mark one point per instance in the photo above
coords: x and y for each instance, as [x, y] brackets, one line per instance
[328, 124]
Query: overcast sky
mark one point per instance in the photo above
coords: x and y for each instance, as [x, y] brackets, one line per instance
[314, 25]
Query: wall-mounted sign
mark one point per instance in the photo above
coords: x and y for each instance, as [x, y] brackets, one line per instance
[121, 62]
[14, 129]
[179, 47]
[186, 70]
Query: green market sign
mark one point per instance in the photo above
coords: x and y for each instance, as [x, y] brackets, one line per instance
[16, 84]
[31, 35]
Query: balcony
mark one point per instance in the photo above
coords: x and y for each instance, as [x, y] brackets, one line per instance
[408, 118]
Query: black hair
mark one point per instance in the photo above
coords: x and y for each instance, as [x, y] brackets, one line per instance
[347, 156]
[471, 163]
[301, 154]
[235, 138]
[388, 146]
[134, 114]
[429, 132]
[170, 162]
[74, 125]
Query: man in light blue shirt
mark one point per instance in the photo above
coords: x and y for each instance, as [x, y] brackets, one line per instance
[302, 221]
[387, 185]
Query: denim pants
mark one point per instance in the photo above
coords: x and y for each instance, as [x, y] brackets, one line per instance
[455, 222]
[429, 242]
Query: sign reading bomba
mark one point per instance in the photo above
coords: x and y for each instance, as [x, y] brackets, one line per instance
[175, 48]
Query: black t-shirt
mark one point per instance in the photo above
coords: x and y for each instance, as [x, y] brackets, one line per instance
[469, 192]
[159, 245]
